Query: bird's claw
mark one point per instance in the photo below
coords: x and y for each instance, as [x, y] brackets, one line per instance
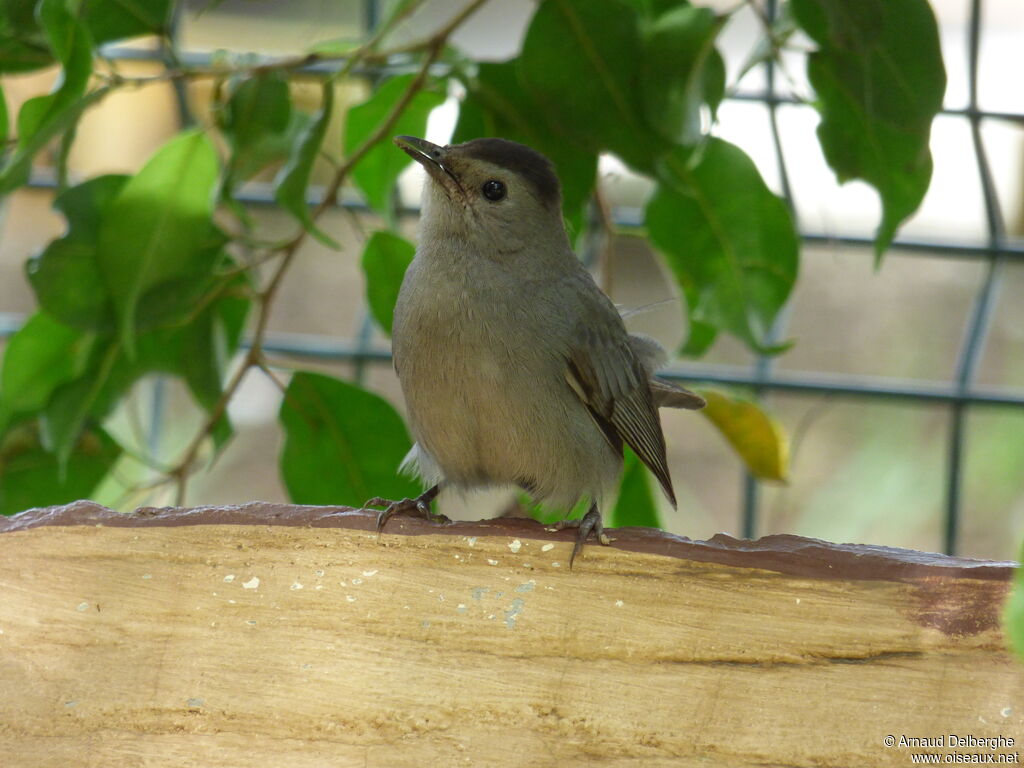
[418, 507]
[589, 523]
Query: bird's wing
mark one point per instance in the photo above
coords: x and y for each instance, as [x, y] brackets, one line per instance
[606, 375]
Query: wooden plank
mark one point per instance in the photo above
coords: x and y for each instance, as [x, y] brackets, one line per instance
[293, 636]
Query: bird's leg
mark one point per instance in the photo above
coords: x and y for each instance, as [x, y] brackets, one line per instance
[589, 523]
[418, 507]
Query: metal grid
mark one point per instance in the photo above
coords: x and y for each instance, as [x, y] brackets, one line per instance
[957, 395]
[960, 392]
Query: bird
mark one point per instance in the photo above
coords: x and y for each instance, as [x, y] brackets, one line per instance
[516, 369]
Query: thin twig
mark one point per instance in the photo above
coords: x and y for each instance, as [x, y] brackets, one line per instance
[265, 368]
[183, 468]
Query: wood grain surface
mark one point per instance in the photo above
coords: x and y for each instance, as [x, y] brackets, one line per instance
[293, 636]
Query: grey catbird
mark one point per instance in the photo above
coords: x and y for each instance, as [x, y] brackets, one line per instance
[516, 368]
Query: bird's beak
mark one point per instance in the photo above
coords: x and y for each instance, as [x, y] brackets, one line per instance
[432, 158]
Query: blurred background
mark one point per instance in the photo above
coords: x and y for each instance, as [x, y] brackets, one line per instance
[903, 395]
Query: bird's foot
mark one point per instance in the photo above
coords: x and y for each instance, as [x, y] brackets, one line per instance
[589, 523]
[418, 507]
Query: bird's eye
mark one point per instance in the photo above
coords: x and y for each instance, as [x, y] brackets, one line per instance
[493, 190]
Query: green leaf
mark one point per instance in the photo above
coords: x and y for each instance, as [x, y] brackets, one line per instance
[582, 64]
[376, 173]
[23, 45]
[159, 228]
[342, 445]
[758, 439]
[651, 9]
[260, 125]
[880, 79]
[41, 120]
[497, 105]
[259, 105]
[1013, 614]
[7, 417]
[202, 352]
[701, 335]
[635, 505]
[198, 351]
[681, 71]
[118, 19]
[44, 117]
[271, 149]
[63, 29]
[66, 276]
[730, 242]
[69, 409]
[85, 205]
[292, 181]
[41, 356]
[385, 259]
[68, 282]
[31, 477]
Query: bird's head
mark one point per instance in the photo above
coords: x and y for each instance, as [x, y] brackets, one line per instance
[491, 193]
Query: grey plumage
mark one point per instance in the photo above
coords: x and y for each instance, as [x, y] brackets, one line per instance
[515, 367]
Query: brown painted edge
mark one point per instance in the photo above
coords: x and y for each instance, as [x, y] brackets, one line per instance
[782, 553]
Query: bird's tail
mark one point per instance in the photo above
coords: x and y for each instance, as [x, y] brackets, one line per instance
[669, 395]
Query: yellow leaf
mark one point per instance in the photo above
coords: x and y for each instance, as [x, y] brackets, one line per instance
[758, 438]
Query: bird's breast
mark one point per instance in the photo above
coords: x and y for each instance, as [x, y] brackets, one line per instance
[483, 383]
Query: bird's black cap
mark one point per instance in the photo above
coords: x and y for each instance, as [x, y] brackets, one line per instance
[520, 160]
